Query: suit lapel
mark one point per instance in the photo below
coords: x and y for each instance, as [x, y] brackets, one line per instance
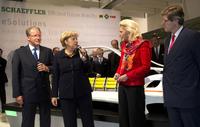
[30, 55]
[166, 49]
[42, 54]
[153, 53]
[161, 50]
[176, 47]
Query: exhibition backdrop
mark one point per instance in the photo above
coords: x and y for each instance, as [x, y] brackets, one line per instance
[95, 26]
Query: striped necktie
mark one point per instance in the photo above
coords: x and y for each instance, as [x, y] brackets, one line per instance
[35, 53]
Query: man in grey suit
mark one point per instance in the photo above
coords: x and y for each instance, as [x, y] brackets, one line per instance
[31, 66]
[181, 76]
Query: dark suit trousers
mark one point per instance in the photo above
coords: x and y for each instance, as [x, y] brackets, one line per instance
[184, 117]
[2, 96]
[131, 106]
[29, 111]
[69, 109]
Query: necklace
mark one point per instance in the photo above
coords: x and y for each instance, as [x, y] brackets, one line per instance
[69, 53]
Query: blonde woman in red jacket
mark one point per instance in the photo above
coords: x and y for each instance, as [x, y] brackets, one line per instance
[134, 65]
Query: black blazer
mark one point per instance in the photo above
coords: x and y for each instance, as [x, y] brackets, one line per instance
[160, 58]
[3, 76]
[181, 76]
[101, 68]
[70, 78]
[113, 60]
[34, 86]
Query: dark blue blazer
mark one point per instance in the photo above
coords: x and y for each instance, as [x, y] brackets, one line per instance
[70, 78]
[160, 58]
[101, 68]
[3, 76]
[34, 86]
[181, 76]
[113, 60]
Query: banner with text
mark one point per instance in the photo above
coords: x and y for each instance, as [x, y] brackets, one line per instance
[95, 26]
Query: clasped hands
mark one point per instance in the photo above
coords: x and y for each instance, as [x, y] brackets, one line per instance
[120, 78]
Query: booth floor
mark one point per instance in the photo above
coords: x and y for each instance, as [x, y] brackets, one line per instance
[3, 123]
[97, 123]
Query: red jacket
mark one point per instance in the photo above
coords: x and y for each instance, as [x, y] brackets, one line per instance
[141, 64]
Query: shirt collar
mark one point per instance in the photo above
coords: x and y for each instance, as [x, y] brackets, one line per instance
[32, 47]
[178, 31]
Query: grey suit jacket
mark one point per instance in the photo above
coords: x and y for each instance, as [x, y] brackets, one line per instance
[34, 86]
[181, 76]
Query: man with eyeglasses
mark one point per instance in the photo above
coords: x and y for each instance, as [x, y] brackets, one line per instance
[31, 66]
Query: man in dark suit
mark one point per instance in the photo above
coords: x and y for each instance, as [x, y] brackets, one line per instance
[31, 66]
[157, 50]
[101, 66]
[93, 60]
[113, 59]
[55, 50]
[181, 76]
[157, 56]
[3, 80]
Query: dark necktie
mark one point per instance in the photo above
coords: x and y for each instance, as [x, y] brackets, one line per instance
[157, 54]
[35, 54]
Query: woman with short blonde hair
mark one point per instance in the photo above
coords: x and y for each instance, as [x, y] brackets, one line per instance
[70, 80]
[66, 35]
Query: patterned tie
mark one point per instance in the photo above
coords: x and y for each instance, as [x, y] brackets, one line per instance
[35, 53]
[100, 60]
[172, 42]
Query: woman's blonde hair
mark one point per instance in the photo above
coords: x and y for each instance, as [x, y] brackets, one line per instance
[66, 35]
[132, 27]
